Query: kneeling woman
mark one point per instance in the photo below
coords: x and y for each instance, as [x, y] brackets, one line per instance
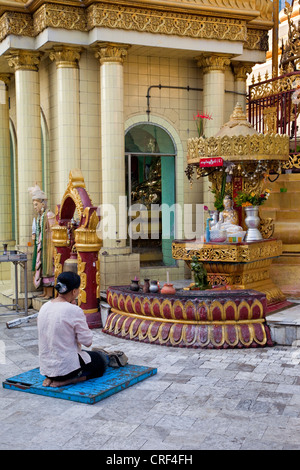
[62, 329]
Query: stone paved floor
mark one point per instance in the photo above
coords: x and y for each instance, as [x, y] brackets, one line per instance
[199, 399]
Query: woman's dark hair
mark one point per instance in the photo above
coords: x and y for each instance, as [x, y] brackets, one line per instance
[66, 282]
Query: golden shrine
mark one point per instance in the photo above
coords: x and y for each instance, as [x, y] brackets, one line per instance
[76, 234]
[273, 107]
[247, 158]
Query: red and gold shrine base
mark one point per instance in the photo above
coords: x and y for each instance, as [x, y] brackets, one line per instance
[193, 319]
[88, 270]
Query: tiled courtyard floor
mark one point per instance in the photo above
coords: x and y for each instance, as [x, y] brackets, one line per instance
[246, 399]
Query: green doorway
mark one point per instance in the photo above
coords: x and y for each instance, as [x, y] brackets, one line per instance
[150, 183]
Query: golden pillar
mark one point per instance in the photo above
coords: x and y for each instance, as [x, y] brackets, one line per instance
[68, 113]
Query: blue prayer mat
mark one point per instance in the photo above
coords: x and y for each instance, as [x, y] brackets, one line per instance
[91, 391]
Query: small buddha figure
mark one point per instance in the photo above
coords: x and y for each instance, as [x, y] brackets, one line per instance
[200, 274]
[228, 218]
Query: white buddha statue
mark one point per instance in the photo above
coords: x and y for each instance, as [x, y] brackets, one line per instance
[228, 218]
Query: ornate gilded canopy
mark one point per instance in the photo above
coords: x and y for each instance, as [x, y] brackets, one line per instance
[237, 140]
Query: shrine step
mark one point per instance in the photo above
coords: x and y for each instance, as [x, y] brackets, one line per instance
[37, 302]
[285, 326]
[8, 296]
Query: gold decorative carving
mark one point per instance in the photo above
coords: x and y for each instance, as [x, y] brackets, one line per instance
[270, 120]
[60, 235]
[240, 266]
[245, 253]
[5, 78]
[195, 322]
[19, 24]
[82, 274]
[164, 22]
[98, 278]
[86, 237]
[57, 264]
[290, 51]
[257, 39]
[266, 227]
[208, 19]
[293, 162]
[240, 147]
[59, 16]
[24, 60]
[109, 52]
[213, 62]
[150, 331]
[237, 140]
[241, 70]
[262, 89]
[65, 57]
[75, 180]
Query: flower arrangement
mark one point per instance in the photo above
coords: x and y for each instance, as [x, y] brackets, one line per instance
[219, 194]
[244, 199]
[199, 118]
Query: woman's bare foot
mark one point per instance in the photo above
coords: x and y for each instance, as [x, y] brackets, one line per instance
[56, 383]
[47, 382]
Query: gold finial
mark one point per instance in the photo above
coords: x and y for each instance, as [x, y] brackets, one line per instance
[76, 178]
[238, 113]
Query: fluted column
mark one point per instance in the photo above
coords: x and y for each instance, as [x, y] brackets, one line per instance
[68, 114]
[241, 71]
[111, 57]
[214, 90]
[214, 67]
[5, 168]
[29, 164]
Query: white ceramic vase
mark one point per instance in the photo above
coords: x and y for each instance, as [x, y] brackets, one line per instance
[252, 221]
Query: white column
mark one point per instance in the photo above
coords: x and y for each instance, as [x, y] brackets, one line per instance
[213, 103]
[241, 71]
[213, 90]
[111, 59]
[5, 168]
[68, 114]
[29, 164]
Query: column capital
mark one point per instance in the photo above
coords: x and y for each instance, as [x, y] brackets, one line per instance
[241, 70]
[5, 78]
[111, 52]
[24, 60]
[65, 56]
[213, 62]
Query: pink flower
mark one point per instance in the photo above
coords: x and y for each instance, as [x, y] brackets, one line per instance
[199, 122]
[205, 116]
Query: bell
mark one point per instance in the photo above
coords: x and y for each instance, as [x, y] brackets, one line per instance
[71, 263]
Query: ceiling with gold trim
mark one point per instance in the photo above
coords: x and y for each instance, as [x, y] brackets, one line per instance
[257, 11]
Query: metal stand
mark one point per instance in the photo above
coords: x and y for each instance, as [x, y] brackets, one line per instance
[17, 258]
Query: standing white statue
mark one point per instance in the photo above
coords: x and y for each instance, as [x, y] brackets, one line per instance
[42, 261]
